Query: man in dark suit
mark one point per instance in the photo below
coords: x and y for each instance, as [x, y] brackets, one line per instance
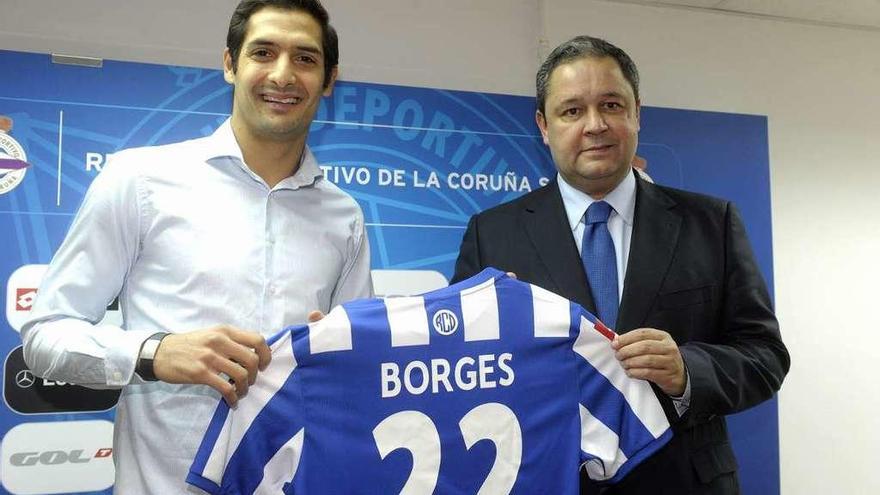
[693, 312]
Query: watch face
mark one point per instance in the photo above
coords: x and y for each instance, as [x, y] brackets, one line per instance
[150, 347]
[144, 366]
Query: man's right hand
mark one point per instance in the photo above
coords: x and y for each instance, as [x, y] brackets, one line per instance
[205, 356]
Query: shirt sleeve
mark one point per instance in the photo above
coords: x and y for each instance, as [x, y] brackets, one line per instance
[356, 281]
[683, 402]
[63, 339]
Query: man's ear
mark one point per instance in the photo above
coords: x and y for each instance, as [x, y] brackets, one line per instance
[328, 88]
[542, 125]
[228, 68]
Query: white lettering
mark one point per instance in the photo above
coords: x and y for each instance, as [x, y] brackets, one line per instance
[471, 375]
[94, 161]
[408, 377]
[440, 374]
[503, 365]
[486, 370]
[468, 373]
[390, 373]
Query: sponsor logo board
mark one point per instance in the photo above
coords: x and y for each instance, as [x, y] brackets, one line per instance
[57, 457]
[22, 291]
[26, 393]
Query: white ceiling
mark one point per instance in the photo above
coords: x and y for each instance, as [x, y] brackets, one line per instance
[857, 14]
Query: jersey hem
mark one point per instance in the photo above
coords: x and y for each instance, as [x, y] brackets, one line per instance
[203, 483]
[641, 455]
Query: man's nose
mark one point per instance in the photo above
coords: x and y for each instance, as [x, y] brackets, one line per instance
[282, 73]
[594, 122]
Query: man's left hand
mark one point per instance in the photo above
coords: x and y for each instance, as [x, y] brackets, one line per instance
[651, 354]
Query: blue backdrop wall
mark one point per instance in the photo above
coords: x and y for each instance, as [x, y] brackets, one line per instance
[419, 161]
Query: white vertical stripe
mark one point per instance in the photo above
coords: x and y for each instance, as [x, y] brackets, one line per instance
[237, 423]
[408, 321]
[595, 348]
[552, 313]
[282, 467]
[479, 310]
[221, 451]
[332, 333]
[600, 441]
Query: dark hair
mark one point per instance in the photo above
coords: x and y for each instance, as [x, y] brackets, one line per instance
[582, 47]
[247, 8]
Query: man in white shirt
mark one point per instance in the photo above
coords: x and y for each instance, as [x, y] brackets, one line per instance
[210, 245]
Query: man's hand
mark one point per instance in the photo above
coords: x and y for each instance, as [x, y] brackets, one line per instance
[651, 354]
[203, 355]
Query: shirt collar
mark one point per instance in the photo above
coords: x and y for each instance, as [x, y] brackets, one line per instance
[222, 144]
[622, 199]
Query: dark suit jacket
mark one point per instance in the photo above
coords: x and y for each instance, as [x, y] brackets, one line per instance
[691, 272]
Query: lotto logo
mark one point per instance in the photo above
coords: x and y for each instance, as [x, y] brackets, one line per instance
[21, 294]
[24, 298]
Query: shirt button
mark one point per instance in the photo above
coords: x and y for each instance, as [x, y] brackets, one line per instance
[270, 240]
[117, 376]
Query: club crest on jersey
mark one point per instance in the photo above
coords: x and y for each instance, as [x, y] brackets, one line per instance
[13, 161]
[445, 322]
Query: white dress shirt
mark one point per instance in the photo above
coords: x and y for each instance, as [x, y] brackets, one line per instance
[187, 237]
[622, 200]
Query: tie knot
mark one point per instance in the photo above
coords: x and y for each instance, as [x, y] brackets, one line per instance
[598, 212]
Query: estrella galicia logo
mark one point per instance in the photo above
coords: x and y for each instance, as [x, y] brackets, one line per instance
[445, 322]
[26, 393]
[13, 160]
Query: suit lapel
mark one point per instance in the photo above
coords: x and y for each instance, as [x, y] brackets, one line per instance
[656, 227]
[546, 226]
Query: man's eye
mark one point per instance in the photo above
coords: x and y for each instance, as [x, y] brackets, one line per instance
[613, 105]
[571, 112]
[306, 59]
[262, 53]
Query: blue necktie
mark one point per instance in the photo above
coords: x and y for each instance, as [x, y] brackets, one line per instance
[600, 263]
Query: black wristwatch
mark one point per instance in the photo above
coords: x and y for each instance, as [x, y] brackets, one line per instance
[144, 366]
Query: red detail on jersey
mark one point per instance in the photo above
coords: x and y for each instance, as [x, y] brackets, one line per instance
[608, 333]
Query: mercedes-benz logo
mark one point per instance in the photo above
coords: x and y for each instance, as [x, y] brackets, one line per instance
[24, 378]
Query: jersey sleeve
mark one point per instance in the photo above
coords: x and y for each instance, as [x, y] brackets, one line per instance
[622, 421]
[256, 447]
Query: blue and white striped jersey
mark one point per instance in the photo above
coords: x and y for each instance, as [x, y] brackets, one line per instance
[487, 386]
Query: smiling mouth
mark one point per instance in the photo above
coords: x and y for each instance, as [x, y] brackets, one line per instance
[286, 100]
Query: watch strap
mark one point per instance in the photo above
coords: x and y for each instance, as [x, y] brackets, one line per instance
[146, 355]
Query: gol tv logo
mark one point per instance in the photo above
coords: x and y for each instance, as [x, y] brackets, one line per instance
[57, 457]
